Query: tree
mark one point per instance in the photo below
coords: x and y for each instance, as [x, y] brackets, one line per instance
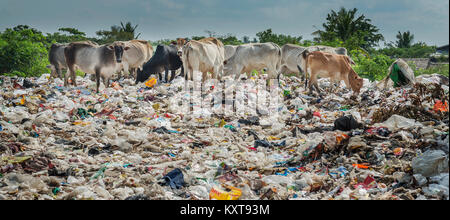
[22, 51]
[404, 40]
[246, 39]
[417, 50]
[72, 36]
[280, 39]
[118, 33]
[229, 39]
[344, 26]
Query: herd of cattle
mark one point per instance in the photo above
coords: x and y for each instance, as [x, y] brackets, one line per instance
[208, 55]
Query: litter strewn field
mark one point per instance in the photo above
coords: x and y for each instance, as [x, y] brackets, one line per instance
[130, 142]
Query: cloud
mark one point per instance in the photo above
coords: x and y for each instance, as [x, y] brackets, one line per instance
[157, 19]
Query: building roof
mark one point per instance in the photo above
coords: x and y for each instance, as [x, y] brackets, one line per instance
[445, 47]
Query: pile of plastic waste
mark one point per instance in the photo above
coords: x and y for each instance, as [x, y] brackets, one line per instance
[131, 142]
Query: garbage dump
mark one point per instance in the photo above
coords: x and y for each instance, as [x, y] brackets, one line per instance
[400, 74]
[130, 142]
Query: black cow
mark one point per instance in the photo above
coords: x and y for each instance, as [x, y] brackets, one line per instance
[164, 59]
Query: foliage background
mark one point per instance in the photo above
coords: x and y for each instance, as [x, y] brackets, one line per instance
[24, 50]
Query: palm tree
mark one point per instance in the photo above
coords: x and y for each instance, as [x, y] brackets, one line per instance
[119, 33]
[404, 40]
[345, 25]
[128, 28]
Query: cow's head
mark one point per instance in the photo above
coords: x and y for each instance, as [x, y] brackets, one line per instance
[118, 51]
[355, 81]
[142, 76]
[179, 44]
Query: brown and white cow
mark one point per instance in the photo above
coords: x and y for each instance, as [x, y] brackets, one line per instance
[205, 55]
[134, 58]
[104, 60]
[254, 56]
[334, 66]
[292, 56]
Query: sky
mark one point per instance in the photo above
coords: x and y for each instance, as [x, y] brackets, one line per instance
[428, 20]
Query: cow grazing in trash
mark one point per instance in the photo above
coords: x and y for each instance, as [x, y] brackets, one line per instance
[334, 66]
[291, 56]
[205, 55]
[103, 61]
[254, 56]
[165, 58]
[139, 53]
[57, 58]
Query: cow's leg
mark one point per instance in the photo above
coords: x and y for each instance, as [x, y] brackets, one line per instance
[166, 71]
[191, 74]
[217, 73]
[106, 81]
[182, 71]
[66, 78]
[59, 72]
[238, 70]
[159, 77]
[347, 83]
[119, 74]
[74, 77]
[249, 74]
[97, 78]
[172, 75]
[312, 82]
[220, 73]
[69, 72]
[204, 76]
[133, 73]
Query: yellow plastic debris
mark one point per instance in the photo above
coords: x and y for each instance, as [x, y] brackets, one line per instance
[219, 194]
[151, 82]
[11, 159]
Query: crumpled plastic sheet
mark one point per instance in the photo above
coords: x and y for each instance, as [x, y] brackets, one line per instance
[71, 143]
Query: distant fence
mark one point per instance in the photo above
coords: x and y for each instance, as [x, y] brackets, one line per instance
[423, 63]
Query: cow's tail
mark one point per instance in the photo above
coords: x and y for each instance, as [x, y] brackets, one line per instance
[278, 66]
[186, 63]
[305, 71]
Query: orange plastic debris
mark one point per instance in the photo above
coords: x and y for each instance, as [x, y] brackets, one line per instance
[440, 107]
[116, 86]
[398, 151]
[22, 101]
[360, 166]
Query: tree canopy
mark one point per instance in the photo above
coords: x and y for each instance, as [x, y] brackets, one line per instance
[280, 39]
[346, 26]
[404, 40]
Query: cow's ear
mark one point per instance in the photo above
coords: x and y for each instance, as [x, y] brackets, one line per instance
[126, 48]
[110, 47]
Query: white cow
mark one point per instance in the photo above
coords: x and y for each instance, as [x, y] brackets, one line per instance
[134, 58]
[229, 51]
[205, 55]
[254, 56]
[57, 58]
[104, 60]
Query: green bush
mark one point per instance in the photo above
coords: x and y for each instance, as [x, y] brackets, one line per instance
[374, 67]
[23, 53]
[419, 50]
[280, 39]
[441, 69]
